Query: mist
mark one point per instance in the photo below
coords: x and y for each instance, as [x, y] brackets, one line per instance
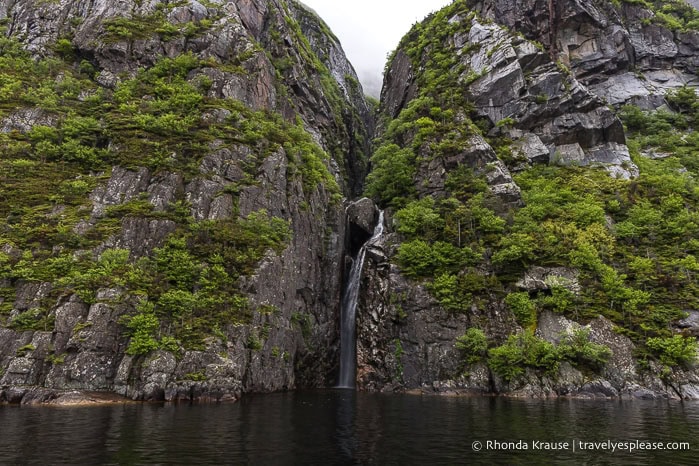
[370, 30]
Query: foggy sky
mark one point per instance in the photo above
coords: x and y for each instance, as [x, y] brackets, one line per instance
[370, 29]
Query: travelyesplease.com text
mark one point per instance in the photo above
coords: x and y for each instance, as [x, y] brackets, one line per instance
[578, 445]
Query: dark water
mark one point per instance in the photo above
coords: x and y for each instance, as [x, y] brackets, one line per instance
[344, 427]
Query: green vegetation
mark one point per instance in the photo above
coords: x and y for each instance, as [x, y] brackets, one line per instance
[398, 355]
[525, 350]
[199, 376]
[142, 328]
[523, 308]
[632, 244]
[346, 119]
[141, 27]
[577, 348]
[22, 351]
[522, 351]
[473, 345]
[55, 359]
[187, 288]
[675, 15]
[677, 350]
[33, 319]
[434, 124]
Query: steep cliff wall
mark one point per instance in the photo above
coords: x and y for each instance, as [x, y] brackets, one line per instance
[173, 181]
[623, 51]
[537, 244]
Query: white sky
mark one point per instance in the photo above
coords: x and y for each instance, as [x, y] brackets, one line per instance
[370, 29]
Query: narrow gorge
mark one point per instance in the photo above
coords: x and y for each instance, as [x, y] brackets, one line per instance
[197, 201]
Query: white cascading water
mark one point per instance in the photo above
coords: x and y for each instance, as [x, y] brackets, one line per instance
[348, 337]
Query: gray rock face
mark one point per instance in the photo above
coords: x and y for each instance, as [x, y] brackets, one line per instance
[619, 53]
[432, 171]
[405, 340]
[549, 104]
[548, 114]
[363, 213]
[239, 28]
[690, 323]
[395, 97]
[544, 278]
[25, 119]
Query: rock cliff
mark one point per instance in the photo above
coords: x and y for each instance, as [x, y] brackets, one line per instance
[173, 182]
[175, 220]
[496, 143]
[624, 52]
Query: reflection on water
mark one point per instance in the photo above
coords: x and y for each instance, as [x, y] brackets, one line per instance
[343, 427]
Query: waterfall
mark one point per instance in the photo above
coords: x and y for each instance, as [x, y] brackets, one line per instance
[348, 336]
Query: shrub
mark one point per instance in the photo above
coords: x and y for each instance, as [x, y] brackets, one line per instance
[521, 351]
[473, 344]
[176, 263]
[577, 348]
[522, 307]
[677, 350]
[179, 304]
[515, 247]
[142, 327]
[507, 361]
[416, 258]
[391, 177]
[445, 289]
[419, 219]
[32, 319]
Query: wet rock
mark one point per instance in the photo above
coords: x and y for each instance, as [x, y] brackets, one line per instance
[690, 391]
[406, 340]
[363, 214]
[597, 389]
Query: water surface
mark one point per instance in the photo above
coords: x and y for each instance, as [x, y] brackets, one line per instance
[344, 427]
